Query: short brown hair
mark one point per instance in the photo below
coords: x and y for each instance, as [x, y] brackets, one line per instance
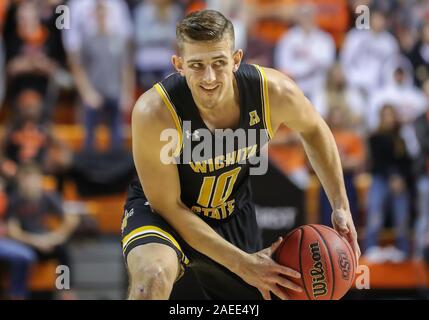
[205, 25]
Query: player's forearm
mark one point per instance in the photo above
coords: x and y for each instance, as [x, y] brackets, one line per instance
[323, 154]
[200, 236]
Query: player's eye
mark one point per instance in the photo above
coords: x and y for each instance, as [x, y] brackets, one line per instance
[196, 65]
[219, 63]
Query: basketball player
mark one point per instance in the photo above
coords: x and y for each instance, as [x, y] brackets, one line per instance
[199, 214]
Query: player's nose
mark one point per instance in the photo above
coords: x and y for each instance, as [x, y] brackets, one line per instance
[209, 75]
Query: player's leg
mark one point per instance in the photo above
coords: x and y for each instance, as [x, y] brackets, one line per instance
[152, 253]
[152, 268]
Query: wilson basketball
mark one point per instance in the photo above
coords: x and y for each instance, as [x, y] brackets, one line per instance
[324, 258]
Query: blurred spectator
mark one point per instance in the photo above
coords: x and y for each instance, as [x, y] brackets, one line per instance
[267, 21]
[26, 142]
[3, 10]
[333, 17]
[352, 153]
[365, 53]
[27, 136]
[419, 12]
[98, 45]
[32, 216]
[400, 92]
[18, 257]
[236, 12]
[155, 37]
[419, 56]
[337, 94]
[422, 164]
[306, 53]
[287, 153]
[31, 54]
[2, 72]
[390, 169]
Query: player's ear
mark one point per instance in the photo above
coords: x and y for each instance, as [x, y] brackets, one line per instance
[237, 56]
[178, 64]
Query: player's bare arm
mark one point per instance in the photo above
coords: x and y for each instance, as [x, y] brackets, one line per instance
[290, 107]
[150, 117]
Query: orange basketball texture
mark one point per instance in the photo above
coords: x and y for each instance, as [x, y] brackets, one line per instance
[324, 258]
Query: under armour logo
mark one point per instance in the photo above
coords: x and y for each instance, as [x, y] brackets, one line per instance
[254, 118]
[195, 135]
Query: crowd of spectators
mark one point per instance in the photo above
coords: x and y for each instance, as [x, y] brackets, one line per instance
[371, 85]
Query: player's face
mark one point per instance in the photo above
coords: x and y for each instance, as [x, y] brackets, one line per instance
[209, 70]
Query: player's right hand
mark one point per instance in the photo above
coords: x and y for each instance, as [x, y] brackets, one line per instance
[262, 272]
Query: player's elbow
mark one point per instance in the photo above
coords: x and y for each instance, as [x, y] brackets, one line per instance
[164, 206]
[314, 127]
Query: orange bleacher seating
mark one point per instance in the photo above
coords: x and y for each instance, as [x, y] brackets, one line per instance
[108, 212]
[405, 275]
[73, 136]
[43, 276]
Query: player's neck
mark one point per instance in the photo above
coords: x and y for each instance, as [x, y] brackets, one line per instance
[226, 114]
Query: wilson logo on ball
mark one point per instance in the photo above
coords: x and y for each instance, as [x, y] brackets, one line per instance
[344, 263]
[317, 272]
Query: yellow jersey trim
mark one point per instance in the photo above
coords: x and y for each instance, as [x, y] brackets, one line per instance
[167, 101]
[266, 114]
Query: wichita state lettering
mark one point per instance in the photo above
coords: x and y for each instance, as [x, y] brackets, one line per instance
[222, 161]
[214, 185]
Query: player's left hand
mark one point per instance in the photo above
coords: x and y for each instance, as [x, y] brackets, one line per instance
[343, 223]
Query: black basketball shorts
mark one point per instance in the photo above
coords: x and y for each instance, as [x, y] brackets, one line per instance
[141, 225]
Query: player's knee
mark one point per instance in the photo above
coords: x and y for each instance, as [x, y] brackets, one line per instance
[151, 282]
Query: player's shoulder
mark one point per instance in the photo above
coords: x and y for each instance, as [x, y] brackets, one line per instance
[150, 111]
[280, 86]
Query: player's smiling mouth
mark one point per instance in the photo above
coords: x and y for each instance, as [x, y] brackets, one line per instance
[209, 89]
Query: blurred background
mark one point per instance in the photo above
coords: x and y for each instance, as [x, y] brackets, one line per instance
[65, 160]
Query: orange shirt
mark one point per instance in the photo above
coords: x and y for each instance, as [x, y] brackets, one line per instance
[331, 16]
[3, 204]
[4, 4]
[349, 144]
[287, 156]
[195, 6]
[270, 29]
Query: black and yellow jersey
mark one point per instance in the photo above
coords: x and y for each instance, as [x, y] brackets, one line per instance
[214, 165]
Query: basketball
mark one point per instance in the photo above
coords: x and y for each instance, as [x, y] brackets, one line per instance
[324, 258]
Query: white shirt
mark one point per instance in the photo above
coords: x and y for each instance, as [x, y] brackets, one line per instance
[363, 57]
[408, 101]
[83, 22]
[306, 57]
[354, 99]
[154, 38]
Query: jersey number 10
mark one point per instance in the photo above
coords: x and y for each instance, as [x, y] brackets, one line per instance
[219, 193]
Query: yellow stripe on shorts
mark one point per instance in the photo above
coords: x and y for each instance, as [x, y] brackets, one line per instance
[147, 231]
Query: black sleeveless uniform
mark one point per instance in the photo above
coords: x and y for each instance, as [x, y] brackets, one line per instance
[214, 181]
